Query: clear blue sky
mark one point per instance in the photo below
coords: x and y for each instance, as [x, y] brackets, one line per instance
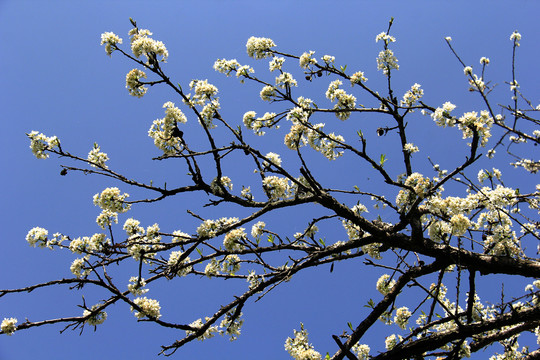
[58, 80]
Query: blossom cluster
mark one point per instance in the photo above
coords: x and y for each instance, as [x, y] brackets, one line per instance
[210, 228]
[344, 101]
[181, 267]
[234, 239]
[276, 187]
[142, 44]
[39, 143]
[110, 40]
[149, 308]
[110, 199]
[8, 326]
[165, 132]
[300, 348]
[89, 244]
[133, 83]
[95, 317]
[412, 96]
[259, 48]
[268, 120]
[97, 158]
[137, 285]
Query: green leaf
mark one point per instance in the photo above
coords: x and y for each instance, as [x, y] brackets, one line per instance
[382, 160]
[271, 239]
[356, 188]
[199, 251]
[350, 326]
[360, 134]
[322, 242]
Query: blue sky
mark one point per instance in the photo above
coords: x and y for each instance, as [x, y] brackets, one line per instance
[58, 80]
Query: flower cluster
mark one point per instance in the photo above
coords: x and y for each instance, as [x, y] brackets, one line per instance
[134, 84]
[420, 186]
[361, 351]
[274, 159]
[384, 284]
[39, 143]
[142, 44]
[386, 61]
[87, 244]
[259, 48]
[358, 77]
[276, 187]
[344, 101]
[110, 40]
[209, 333]
[412, 96]
[231, 325]
[9, 325]
[110, 199]
[210, 228]
[225, 66]
[37, 236]
[300, 348]
[470, 122]
[106, 219]
[307, 59]
[515, 37]
[77, 267]
[276, 63]
[230, 264]
[95, 318]
[165, 131]
[149, 308]
[385, 37]
[284, 80]
[234, 239]
[410, 148]
[402, 317]
[181, 268]
[97, 158]
[257, 229]
[268, 120]
[136, 286]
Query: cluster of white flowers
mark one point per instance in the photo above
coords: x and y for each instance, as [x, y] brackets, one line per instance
[180, 236]
[203, 91]
[230, 264]
[136, 286]
[361, 351]
[146, 245]
[210, 228]
[212, 268]
[322, 142]
[268, 120]
[77, 267]
[142, 44]
[97, 318]
[110, 40]
[477, 83]
[149, 308]
[402, 317]
[385, 37]
[357, 78]
[411, 148]
[97, 158]
[225, 66]
[515, 37]
[37, 236]
[353, 231]
[234, 239]
[481, 124]
[163, 130]
[412, 96]
[391, 341]
[300, 348]
[246, 193]
[276, 187]
[231, 327]
[87, 244]
[531, 166]
[384, 285]
[484, 60]
[373, 250]
[107, 218]
[420, 185]
[133, 83]
[442, 115]
[284, 80]
[110, 199]
[259, 48]
[307, 59]
[276, 63]
[257, 229]
[133, 228]
[209, 333]
[344, 100]
[253, 279]
[467, 70]
[328, 59]
[180, 267]
[274, 159]
[39, 143]
[9, 325]
[386, 61]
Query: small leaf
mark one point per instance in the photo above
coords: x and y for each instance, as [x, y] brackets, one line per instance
[350, 326]
[199, 251]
